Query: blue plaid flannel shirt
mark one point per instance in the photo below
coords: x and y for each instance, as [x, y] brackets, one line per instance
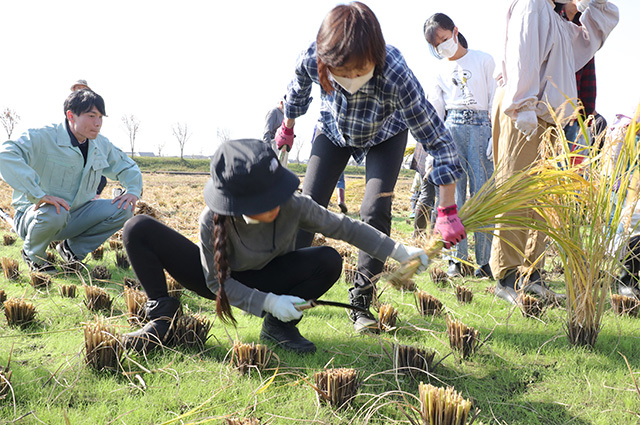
[386, 105]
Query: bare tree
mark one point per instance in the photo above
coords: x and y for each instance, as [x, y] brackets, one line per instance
[181, 132]
[9, 119]
[297, 148]
[224, 134]
[160, 146]
[132, 125]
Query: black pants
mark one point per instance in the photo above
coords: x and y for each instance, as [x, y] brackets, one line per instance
[383, 162]
[631, 269]
[153, 248]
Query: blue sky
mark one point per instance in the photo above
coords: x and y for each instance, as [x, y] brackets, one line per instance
[223, 64]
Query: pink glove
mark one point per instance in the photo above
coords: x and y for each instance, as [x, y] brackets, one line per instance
[284, 137]
[449, 226]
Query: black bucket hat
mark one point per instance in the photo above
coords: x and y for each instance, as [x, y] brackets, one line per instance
[247, 178]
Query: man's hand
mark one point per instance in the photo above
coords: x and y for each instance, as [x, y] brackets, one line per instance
[125, 200]
[527, 123]
[52, 200]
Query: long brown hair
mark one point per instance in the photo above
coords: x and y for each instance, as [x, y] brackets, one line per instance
[349, 33]
[223, 308]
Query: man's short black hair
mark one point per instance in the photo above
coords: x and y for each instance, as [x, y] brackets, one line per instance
[82, 101]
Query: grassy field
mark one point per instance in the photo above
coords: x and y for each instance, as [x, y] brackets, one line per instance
[524, 372]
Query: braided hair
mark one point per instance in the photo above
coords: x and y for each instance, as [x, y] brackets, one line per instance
[223, 308]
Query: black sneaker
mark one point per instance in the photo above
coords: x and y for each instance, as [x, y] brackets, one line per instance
[362, 322]
[44, 267]
[454, 269]
[343, 208]
[506, 287]
[66, 254]
[483, 271]
[628, 285]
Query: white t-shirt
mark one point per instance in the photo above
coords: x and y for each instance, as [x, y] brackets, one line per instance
[465, 83]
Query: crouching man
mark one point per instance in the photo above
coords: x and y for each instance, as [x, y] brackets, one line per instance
[54, 172]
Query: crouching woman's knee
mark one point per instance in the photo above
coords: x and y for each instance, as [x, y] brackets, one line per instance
[137, 227]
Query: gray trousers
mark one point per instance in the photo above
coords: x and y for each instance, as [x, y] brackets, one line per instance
[85, 228]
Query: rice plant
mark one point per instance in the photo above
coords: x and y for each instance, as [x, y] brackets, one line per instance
[387, 317]
[250, 356]
[122, 261]
[464, 294]
[191, 330]
[438, 276]
[67, 291]
[462, 338]
[427, 304]
[52, 258]
[337, 386]
[39, 280]
[103, 347]
[98, 253]
[10, 268]
[441, 406]
[412, 360]
[530, 306]
[19, 312]
[101, 273]
[623, 305]
[135, 301]
[131, 282]
[115, 245]
[96, 298]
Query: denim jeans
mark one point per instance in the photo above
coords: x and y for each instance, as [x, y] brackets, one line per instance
[471, 132]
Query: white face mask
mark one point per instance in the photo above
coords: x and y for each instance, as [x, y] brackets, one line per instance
[352, 85]
[448, 48]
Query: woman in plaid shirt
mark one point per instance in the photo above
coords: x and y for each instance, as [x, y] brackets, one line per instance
[370, 100]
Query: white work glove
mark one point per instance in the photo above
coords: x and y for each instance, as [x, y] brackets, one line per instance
[527, 123]
[403, 253]
[489, 151]
[282, 307]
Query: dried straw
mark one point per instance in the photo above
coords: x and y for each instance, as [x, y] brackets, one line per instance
[191, 330]
[97, 298]
[624, 305]
[10, 268]
[387, 316]
[9, 239]
[530, 306]
[146, 209]
[122, 261]
[462, 338]
[103, 346]
[441, 406]
[19, 312]
[174, 288]
[427, 304]
[412, 360]
[464, 294]
[68, 291]
[337, 386]
[250, 356]
[98, 253]
[101, 273]
[135, 301]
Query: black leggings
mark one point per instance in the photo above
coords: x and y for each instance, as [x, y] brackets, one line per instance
[326, 164]
[153, 248]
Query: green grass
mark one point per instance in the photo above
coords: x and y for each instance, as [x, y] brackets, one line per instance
[525, 372]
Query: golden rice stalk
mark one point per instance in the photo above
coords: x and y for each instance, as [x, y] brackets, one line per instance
[115, 245]
[122, 261]
[350, 272]
[68, 291]
[242, 421]
[98, 253]
[441, 406]
[19, 312]
[9, 239]
[131, 282]
[103, 346]
[101, 273]
[530, 306]
[3, 296]
[146, 209]
[387, 317]
[438, 276]
[135, 301]
[623, 305]
[191, 330]
[462, 338]
[464, 294]
[96, 298]
[412, 360]
[337, 386]
[39, 280]
[427, 304]
[173, 287]
[10, 268]
[250, 356]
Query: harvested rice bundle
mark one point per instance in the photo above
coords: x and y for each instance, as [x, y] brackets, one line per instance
[174, 288]
[191, 330]
[464, 294]
[248, 356]
[39, 280]
[441, 406]
[97, 298]
[462, 338]
[18, 312]
[102, 345]
[625, 305]
[98, 253]
[531, 306]
[10, 268]
[387, 316]
[9, 239]
[412, 360]
[135, 301]
[428, 305]
[101, 273]
[122, 261]
[68, 291]
[337, 386]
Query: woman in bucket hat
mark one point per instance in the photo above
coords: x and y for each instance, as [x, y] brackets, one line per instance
[246, 255]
